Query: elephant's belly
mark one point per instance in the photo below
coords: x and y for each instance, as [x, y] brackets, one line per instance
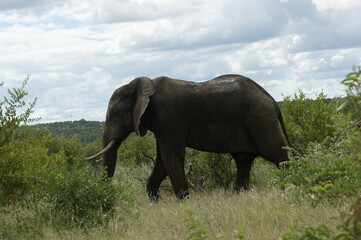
[220, 139]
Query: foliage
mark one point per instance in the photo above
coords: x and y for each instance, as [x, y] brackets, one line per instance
[10, 118]
[322, 173]
[137, 150]
[23, 164]
[209, 170]
[85, 131]
[77, 198]
[307, 120]
[48, 176]
[72, 151]
[352, 102]
[347, 229]
[330, 168]
[18, 163]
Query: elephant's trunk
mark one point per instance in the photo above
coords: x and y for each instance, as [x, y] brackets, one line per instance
[109, 156]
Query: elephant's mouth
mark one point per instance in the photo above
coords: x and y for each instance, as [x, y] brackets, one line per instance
[110, 145]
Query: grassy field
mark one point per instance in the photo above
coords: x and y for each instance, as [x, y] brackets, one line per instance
[261, 213]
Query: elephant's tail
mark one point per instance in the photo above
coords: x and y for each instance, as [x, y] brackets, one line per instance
[280, 118]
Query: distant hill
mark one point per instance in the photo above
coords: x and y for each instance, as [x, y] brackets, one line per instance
[86, 131]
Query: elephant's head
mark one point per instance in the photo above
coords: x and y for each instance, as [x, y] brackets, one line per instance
[126, 107]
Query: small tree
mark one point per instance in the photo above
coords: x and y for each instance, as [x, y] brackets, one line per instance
[352, 102]
[10, 118]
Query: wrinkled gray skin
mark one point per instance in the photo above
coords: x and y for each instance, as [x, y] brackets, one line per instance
[229, 114]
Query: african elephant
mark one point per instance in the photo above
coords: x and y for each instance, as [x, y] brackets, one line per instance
[228, 114]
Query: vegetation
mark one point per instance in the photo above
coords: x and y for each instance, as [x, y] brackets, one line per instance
[48, 190]
[85, 131]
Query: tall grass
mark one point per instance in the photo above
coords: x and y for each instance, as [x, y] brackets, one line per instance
[261, 213]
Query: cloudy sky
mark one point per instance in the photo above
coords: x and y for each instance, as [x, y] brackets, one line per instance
[79, 51]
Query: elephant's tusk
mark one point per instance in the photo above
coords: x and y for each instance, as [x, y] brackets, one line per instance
[97, 162]
[106, 149]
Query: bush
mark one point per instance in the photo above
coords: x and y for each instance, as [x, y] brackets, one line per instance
[23, 164]
[77, 198]
[137, 150]
[307, 120]
[71, 150]
[322, 173]
[210, 170]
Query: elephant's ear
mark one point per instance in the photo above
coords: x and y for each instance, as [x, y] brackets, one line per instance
[143, 93]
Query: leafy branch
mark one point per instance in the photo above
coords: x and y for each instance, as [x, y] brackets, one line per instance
[10, 118]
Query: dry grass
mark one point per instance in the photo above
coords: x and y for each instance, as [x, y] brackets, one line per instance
[262, 214]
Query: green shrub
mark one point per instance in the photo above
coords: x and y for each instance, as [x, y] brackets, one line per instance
[78, 198]
[210, 170]
[307, 120]
[23, 164]
[71, 150]
[322, 173]
[137, 150]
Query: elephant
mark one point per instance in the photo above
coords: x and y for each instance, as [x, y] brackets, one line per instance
[228, 114]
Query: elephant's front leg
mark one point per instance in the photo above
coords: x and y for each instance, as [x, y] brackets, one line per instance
[158, 174]
[173, 159]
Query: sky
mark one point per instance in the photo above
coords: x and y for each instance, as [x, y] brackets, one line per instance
[79, 51]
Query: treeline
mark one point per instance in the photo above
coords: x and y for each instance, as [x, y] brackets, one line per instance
[89, 131]
[85, 131]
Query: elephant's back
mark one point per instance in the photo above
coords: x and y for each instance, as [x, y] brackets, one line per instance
[239, 82]
[223, 92]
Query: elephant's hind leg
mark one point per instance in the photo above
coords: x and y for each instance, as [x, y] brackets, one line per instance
[244, 163]
[158, 174]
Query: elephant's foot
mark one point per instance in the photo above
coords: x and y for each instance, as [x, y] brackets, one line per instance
[153, 197]
[241, 188]
[182, 194]
[153, 193]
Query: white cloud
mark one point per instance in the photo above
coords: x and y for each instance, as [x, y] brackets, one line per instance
[323, 5]
[78, 52]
